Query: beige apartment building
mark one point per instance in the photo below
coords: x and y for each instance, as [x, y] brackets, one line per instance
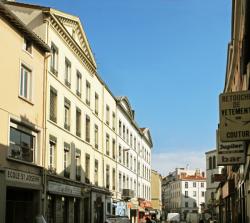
[156, 192]
[23, 58]
[97, 159]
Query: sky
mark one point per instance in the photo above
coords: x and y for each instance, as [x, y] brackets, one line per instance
[169, 58]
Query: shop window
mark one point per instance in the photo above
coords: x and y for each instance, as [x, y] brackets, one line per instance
[22, 143]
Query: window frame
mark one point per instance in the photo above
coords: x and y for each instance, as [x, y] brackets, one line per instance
[29, 83]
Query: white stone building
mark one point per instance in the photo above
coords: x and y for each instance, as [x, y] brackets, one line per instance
[94, 147]
[211, 170]
[184, 191]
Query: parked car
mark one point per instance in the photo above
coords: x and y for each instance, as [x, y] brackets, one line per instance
[117, 219]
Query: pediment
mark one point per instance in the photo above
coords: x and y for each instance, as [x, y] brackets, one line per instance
[124, 102]
[73, 26]
[147, 135]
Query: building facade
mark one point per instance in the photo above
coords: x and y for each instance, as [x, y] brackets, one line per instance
[22, 126]
[156, 193]
[233, 193]
[184, 192]
[212, 172]
[96, 160]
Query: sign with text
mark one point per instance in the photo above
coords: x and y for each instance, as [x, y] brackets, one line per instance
[235, 116]
[230, 153]
[59, 188]
[22, 177]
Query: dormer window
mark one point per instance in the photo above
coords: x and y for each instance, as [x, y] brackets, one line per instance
[28, 46]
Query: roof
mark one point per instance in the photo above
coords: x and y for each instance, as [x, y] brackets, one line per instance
[13, 20]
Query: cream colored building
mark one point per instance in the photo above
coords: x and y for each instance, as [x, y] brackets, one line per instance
[22, 70]
[156, 192]
[94, 148]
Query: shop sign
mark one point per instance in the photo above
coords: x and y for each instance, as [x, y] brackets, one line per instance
[230, 153]
[219, 177]
[22, 177]
[235, 116]
[59, 188]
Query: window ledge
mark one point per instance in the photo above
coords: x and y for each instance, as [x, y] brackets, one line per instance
[22, 161]
[26, 100]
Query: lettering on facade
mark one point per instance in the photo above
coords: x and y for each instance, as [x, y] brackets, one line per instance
[22, 177]
[235, 116]
[55, 187]
[230, 153]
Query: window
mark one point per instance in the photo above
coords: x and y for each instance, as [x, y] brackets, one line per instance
[107, 177]
[113, 179]
[210, 163]
[107, 144]
[120, 154]
[67, 73]
[53, 105]
[25, 83]
[194, 193]
[186, 204]
[54, 59]
[66, 114]
[194, 184]
[214, 162]
[127, 159]
[87, 136]
[131, 139]
[127, 136]
[96, 173]
[87, 93]
[66, 160]
[113, 121]
[123, 132]
[131, 162]
[107, 114]
[78, 164]
[87, 163]
[120, 182]
[194, 204]
[96, 136]
[113, 148]
[134, 165]
[134, 143]
[78, 122]
[120, 128]
[52, 154]
[186, 194]
[186, 184]
[124, 156]
[202, 193]
[28, 46]
[202, 184]
[78, 84]
[22, 143]
[96, 103]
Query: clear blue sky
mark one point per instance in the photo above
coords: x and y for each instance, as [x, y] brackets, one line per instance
[167, 56]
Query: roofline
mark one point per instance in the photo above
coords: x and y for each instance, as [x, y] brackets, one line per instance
[210, 151]
[12, 19]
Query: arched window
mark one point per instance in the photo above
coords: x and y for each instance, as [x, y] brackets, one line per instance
[210, 163]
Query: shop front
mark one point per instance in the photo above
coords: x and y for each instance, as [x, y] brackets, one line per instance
[23, 193]
[64, 203]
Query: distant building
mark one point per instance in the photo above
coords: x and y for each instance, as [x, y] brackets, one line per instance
[156, 191]
[211, 170]
[183, 191]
